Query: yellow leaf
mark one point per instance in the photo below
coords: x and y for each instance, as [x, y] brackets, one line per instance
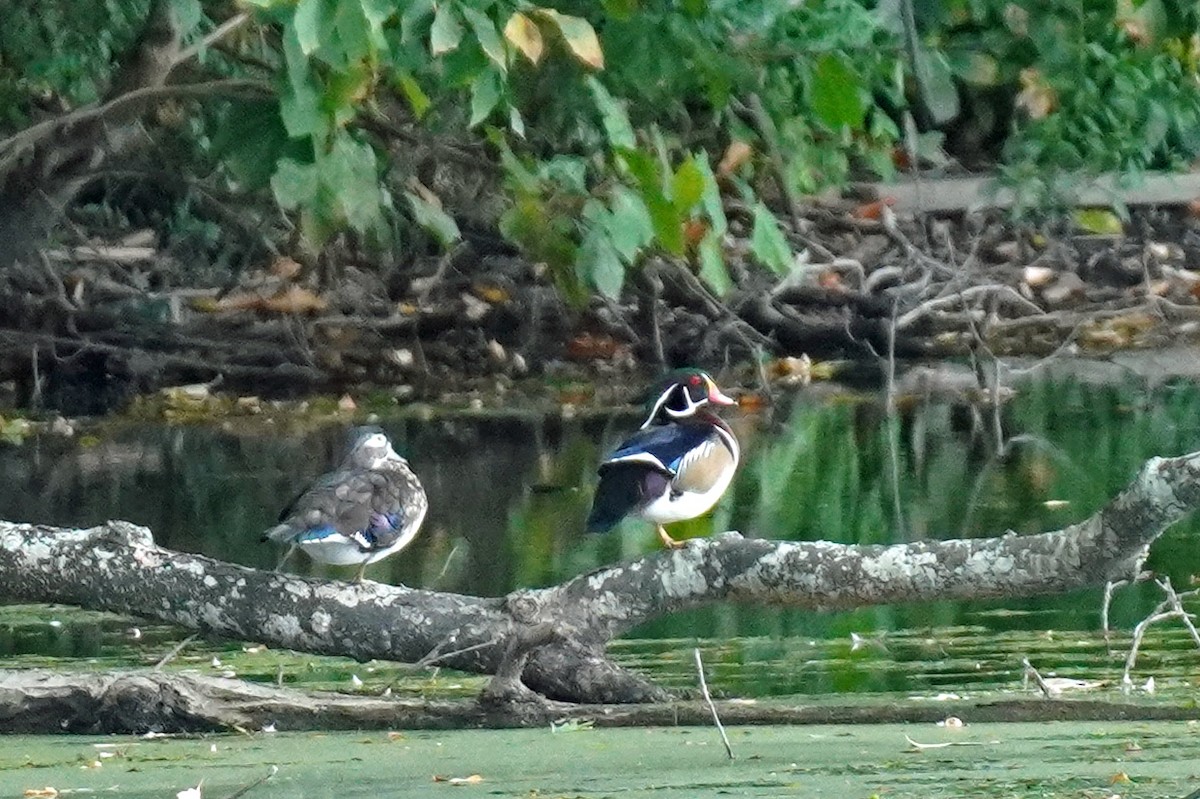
[205, 304]
[1037, 96]
[42, 793]
[579, 36]
[523, 33]
[1099, 221]
[737, 153]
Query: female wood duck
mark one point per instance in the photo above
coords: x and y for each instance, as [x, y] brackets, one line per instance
[676, 466]
[369, 508]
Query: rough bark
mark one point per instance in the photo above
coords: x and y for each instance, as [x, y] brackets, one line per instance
[118, 568]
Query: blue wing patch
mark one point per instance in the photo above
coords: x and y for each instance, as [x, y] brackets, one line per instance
[316, 534]
[381, 526]
[668, 443]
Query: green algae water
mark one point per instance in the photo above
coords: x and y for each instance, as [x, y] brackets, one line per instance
[509, 492]
[1062, 759]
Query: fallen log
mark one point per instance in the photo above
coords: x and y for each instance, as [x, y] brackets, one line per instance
[37, 702]
[118, 567]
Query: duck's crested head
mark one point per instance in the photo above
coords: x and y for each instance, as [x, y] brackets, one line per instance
[369, 446]
[681, 394]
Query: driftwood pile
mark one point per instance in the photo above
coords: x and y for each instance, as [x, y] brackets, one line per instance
[87, 326]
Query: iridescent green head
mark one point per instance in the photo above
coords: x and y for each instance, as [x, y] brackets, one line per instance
[681, 394]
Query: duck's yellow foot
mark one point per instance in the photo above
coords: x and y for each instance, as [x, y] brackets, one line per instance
[668, 542]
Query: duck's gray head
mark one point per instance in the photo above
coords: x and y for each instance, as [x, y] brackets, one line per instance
[369, 447]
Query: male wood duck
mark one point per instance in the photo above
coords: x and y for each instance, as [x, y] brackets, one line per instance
[676, 466]
[369, 508]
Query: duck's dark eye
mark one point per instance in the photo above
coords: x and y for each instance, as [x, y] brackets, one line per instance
[694, 380]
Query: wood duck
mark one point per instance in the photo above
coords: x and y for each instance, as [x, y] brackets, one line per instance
[676, 466]
[370, 507]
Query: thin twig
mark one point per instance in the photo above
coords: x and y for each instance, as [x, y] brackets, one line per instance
[893, 425]
[212, 36]
[1045, 687]
[446, 565]
[1139, 632]
[1176, 603]
[435, 656]
[1109, 589]
[15, 146]
[175, 650]
[770, 135]
[1169, 608]
[439, 274]
[240, 792]
[938, 303]
[712, 708]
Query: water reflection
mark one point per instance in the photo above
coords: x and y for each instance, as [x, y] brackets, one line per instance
[508, 495]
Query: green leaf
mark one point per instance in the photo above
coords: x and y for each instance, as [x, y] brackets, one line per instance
[349, 170]
[434, 219]
[411, 19]
[249, 140]
[447, 31]
[630, 227]
[622, 10]
[687, 186]
[711, 198]
[938, 91]
[612, 116]
[712, 264]
[668, 225]
[418, 100]
[568, 171]
[188, 15]
[485, 94]
[767, 241]
[300, 109]
[836, 94]
[600, 263]
[489, 38]
[520, 175]
[353, 35]
[294, 184]
[516, 122]
[378, 12]
[643, 168]
[312, 21]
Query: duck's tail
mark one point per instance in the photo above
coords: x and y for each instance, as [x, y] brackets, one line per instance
[621, 490]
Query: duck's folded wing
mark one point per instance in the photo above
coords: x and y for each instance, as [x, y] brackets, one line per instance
[664, 447]
[398, 505]
[338, 503]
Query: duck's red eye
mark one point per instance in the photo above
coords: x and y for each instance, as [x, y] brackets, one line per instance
[694, 380]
